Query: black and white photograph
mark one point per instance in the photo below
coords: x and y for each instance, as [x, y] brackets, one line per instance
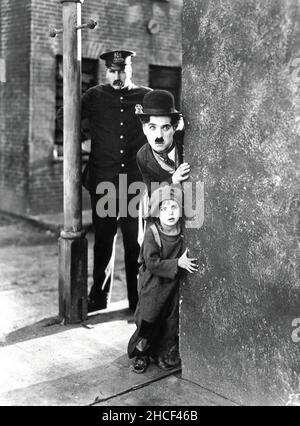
[149, 206]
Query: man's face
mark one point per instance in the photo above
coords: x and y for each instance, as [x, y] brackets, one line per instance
[119, 78]
[159, 132]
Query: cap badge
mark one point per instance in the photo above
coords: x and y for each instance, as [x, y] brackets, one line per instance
[118, 58]
[138, 109]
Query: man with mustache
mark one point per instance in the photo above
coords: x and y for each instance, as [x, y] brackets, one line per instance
[116, 136]
[161, 159]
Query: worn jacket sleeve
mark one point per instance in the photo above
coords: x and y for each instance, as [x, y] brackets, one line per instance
[167, 268]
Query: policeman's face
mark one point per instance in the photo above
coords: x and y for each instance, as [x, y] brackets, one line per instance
[169, 213]
[119, 78]
[159, 132]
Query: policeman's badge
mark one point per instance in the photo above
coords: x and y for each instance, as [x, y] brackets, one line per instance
[138, 109]
[118, 58]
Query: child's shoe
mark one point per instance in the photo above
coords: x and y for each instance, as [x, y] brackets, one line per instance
[140, 364]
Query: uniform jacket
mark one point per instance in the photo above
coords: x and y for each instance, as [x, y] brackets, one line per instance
[116, 132]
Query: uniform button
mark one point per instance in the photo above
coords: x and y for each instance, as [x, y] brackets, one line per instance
[121, 124]
[121, 98]
[122, 110]
[121, 151]
[122, 165]
[121, 137]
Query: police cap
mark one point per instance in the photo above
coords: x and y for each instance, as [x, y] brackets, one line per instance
[117, 59]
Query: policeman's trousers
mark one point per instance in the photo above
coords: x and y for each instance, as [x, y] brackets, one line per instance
[105, 229]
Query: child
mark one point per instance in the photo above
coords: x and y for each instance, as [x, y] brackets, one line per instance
[157, 313]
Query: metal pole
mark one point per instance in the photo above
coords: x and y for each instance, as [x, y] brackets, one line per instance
[72, 241]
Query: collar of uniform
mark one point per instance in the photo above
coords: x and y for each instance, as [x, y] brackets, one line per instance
[130, 87]
[124, 90]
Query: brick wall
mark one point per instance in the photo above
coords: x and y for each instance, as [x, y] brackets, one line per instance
[14, 110]
[121, 24]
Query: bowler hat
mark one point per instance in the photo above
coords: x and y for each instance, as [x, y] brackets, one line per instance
[165, 192]
[117, 58]
[158, 102]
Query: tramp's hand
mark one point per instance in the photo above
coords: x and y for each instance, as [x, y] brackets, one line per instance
[187, 263]
[181, 173]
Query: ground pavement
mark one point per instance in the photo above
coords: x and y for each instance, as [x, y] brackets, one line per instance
[43, 361]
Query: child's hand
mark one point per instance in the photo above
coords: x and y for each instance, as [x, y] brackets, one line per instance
[187, 263]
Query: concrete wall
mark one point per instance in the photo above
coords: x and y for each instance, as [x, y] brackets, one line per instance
[241, 98]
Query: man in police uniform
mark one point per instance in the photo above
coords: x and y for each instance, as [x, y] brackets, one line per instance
[116, 137]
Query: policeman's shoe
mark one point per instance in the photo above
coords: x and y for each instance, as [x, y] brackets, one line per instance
[96, 305]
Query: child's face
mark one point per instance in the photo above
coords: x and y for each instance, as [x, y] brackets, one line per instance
[169, 213]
